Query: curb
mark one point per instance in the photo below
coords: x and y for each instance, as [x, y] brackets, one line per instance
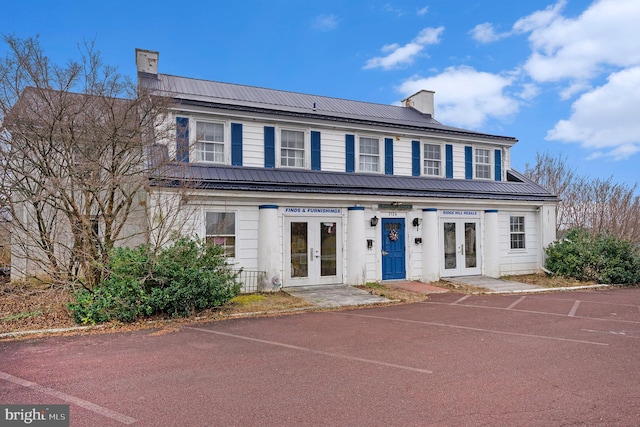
[533, 291]
[45, 331]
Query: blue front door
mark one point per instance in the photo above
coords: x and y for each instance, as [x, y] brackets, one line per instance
[393, 250]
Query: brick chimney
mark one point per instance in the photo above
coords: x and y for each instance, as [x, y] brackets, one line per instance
[421, 101]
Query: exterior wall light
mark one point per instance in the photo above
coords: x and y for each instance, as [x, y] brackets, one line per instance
[374, 221]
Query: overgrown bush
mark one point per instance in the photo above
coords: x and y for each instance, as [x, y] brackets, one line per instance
[603, 258]
[189, 276]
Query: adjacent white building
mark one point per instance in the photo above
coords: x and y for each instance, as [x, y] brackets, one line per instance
[316, 190]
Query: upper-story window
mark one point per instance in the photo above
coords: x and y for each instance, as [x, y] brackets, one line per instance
[483, 163]
[432, 163]
[210, 142]
[292, 149]
[369, 155]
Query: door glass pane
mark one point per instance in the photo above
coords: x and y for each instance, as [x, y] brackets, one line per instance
[450, 245]
[328, 249]
[470, 258]
[299, 249]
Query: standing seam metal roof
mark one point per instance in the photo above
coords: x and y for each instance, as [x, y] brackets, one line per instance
[322, 182]
[191, 90]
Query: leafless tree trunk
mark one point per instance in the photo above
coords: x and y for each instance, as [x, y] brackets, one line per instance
[74, 143]
[601, 206]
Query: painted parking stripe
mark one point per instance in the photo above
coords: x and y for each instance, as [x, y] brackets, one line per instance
[100, 410]
[546, 313]
[310, 350]
[518, 301]
[461, 299]
[572, 313]
[469, 328]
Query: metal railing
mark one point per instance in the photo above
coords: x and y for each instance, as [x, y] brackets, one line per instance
[255, 281]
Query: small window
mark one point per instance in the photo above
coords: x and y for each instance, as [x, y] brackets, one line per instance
[483, 164]
[369, 155]
[210, 142]
[292, 149]
[516, 225]
[432, 160]
[221, 231]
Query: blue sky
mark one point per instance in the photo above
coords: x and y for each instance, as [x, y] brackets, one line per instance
[561, 76]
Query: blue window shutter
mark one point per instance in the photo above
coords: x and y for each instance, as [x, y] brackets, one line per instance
[350, 150]
[182, 139]
[315, 151]
[498, 164]
[388, 156]
[468, 162]
[415, 158]
[236, 144]
[269, 147]
[448, 160]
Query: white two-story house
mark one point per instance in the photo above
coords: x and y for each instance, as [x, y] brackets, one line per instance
[316, 190]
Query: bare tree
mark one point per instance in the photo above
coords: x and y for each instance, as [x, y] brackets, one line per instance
[74, 142]
[601, 206]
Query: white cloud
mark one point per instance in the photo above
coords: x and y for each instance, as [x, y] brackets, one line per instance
[605, 119]
[464, 96]
[423, 11]
[540, 18]
[605, 34]
[485, 33]
[404, 55]
[529, 91]
[325, 22]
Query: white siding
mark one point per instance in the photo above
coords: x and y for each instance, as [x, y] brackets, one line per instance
[518, 261]
[333, 150]
[458, 161]
[253, 144]
[402, 157]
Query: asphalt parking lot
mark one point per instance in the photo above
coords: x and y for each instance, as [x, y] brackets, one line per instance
[546, 359]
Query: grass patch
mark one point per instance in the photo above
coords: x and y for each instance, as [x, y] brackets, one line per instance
[245, 299]
[22, 315]
[546, 281]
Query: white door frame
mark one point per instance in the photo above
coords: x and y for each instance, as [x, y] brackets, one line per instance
[462, 264]
[312, 266]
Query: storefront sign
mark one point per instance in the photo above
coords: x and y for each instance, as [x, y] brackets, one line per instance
[460, 213]
[313, 211]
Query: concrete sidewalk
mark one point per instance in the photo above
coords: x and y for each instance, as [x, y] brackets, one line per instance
[335, 295]
[495, 285]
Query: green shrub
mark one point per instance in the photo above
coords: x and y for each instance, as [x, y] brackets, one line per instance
[189, 276]
[602, 258]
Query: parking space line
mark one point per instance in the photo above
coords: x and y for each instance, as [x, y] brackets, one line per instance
[461, 299]
[518, 301]
[531, 312]
[572, 313]
[100, 410]
[310, 350]
[469, 328]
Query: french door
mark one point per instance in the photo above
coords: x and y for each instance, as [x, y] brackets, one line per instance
[313, 251]
[460, 255]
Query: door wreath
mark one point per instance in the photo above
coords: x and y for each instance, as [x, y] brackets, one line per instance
[393, 235]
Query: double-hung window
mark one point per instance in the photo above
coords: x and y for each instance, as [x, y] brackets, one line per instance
[210, 142]
[221, 231]
[516, 229]
[432, 163]
[369, 154]
[292, 149]
[483, 163]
